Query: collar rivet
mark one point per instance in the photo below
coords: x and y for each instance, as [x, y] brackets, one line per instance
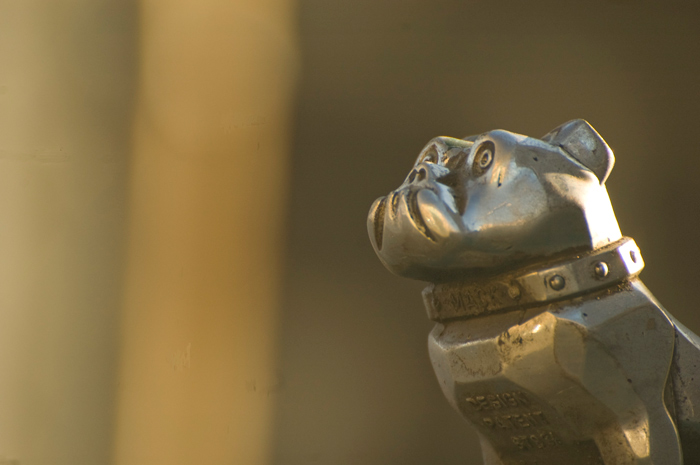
[557, 283]
[601, 269]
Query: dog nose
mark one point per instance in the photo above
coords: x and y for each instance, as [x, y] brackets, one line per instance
[419, 173]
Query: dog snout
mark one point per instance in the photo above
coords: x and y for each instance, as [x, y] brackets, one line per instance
[417, 174]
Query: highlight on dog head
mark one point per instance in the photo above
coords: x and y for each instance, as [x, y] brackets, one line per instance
[493, 202]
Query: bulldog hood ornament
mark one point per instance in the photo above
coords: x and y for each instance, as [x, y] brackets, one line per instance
[546, 340]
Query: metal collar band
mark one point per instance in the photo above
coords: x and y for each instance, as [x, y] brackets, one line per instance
[583, 273]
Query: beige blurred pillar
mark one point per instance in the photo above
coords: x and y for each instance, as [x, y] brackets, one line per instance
[66, 76]
[206, 213]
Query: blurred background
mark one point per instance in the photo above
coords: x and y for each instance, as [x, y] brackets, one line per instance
[185, 274]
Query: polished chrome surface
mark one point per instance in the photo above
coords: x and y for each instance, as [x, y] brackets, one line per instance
[546, 340]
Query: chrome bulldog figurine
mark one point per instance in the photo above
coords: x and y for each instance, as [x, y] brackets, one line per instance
[546, 340]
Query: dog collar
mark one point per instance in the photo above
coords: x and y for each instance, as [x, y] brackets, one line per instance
[601, 268]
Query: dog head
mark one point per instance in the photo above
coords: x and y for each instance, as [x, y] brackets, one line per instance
[494, 202]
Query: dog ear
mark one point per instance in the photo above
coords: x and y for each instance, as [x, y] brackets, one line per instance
[582, 142]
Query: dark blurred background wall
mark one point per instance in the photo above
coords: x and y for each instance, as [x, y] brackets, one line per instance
[380, 79]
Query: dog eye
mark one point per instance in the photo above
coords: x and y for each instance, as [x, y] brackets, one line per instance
[430, 157]
[484, 157]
